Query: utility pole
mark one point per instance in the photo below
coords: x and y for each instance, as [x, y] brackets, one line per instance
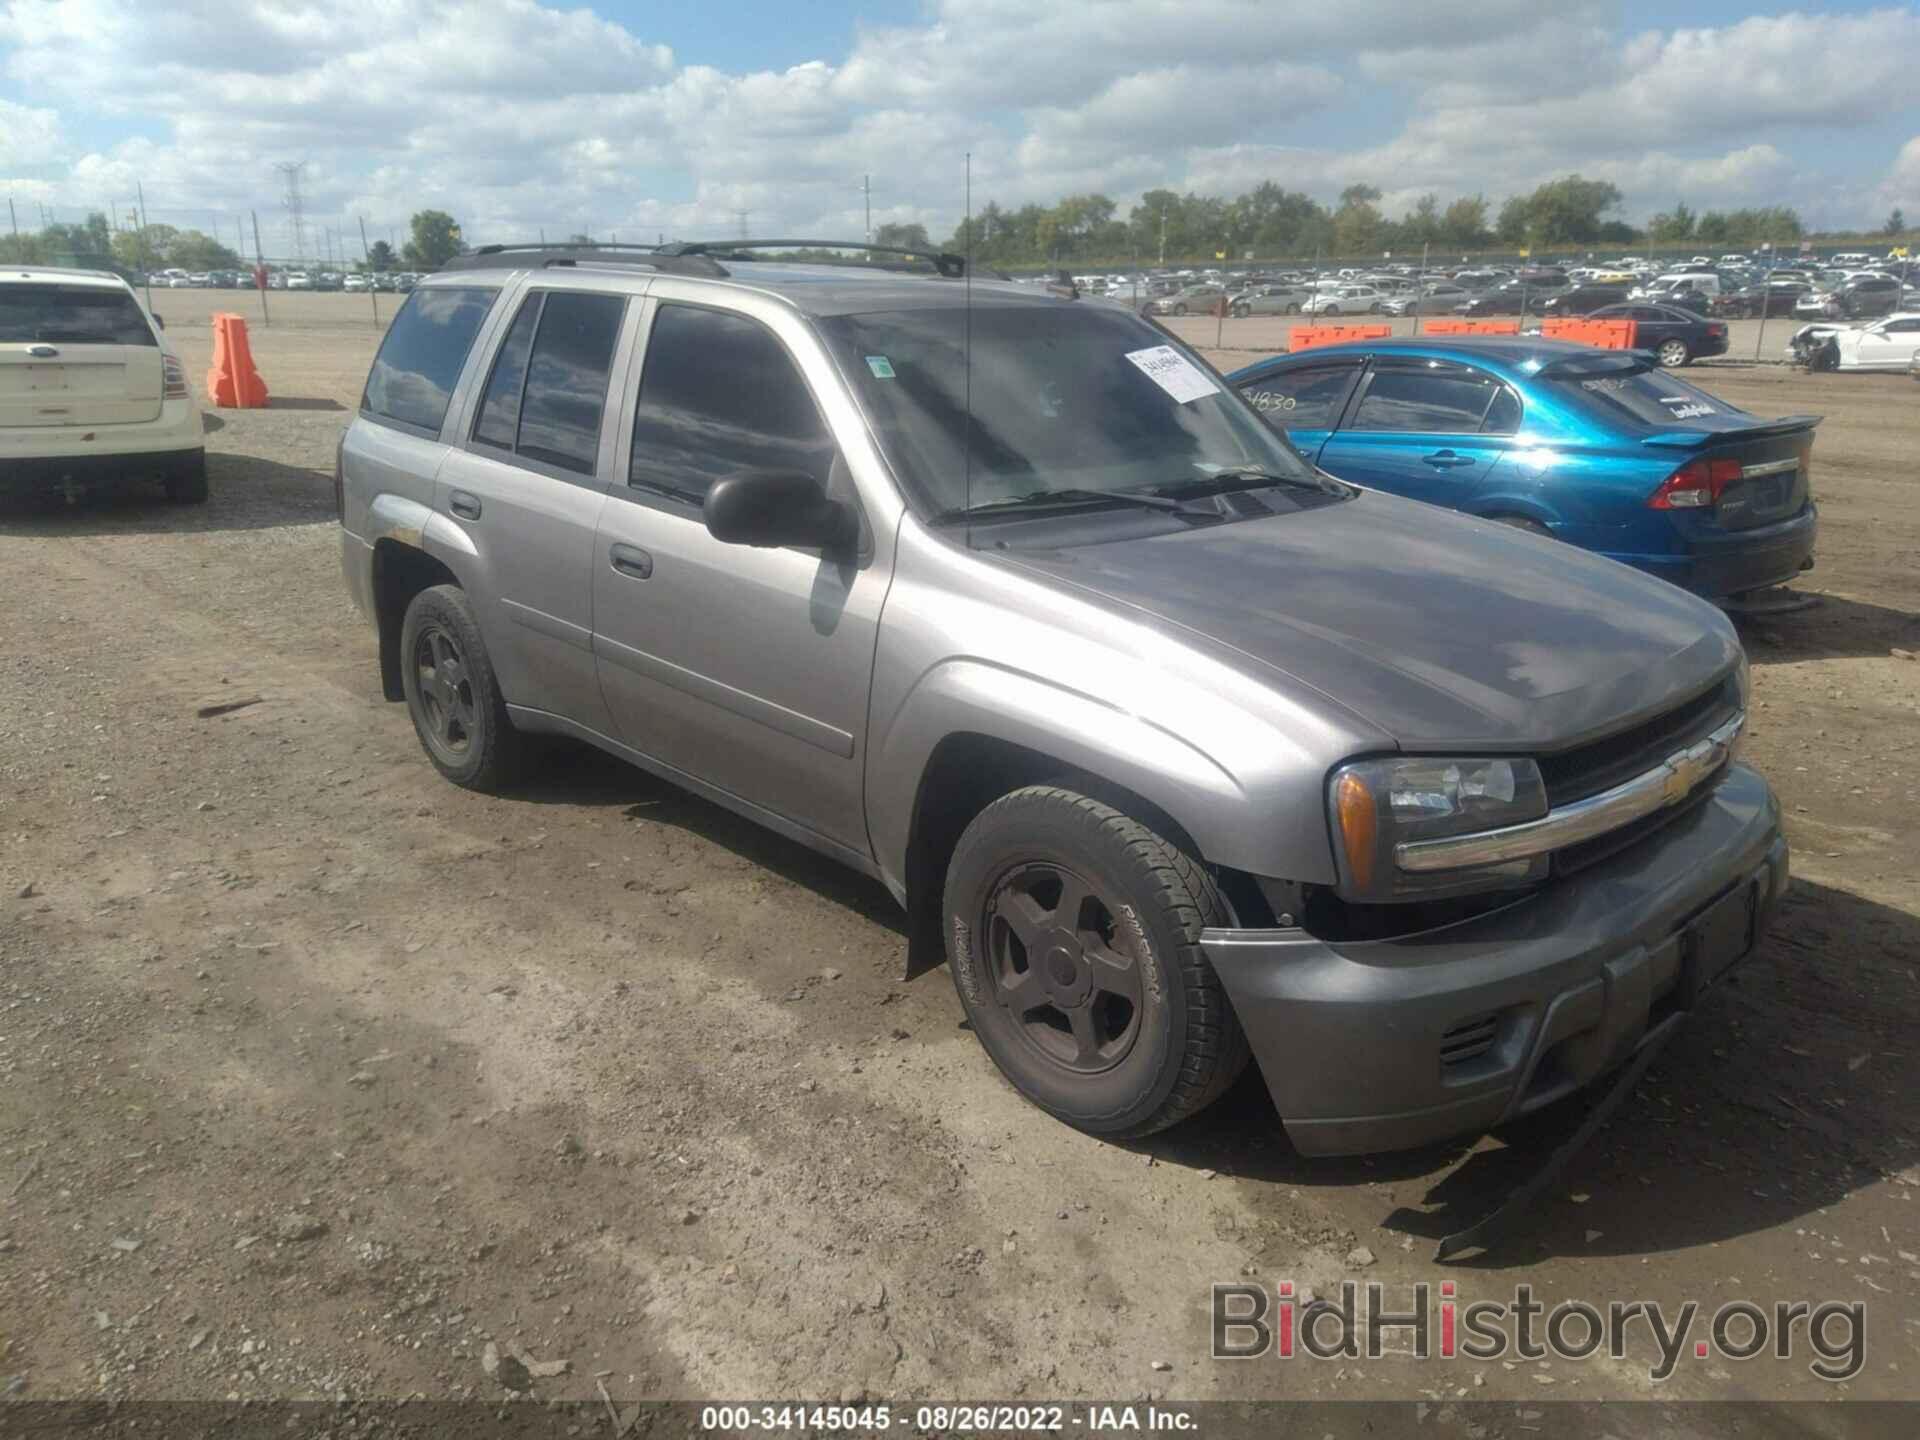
[290, 172]
[146, 268]
[15, 219]
[1163, 237]
[260, 267]
[866, 188]
[372, 293]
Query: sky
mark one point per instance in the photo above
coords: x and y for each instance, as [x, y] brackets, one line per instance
[637, 120]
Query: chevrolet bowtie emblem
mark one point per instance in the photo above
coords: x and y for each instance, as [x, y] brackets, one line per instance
[1687, 768]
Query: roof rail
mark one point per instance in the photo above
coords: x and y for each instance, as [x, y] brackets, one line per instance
[944, 262]
[536, 255]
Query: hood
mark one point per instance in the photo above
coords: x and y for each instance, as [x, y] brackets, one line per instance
[1442, 631]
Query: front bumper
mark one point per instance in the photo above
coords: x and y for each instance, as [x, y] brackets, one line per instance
[1391, 1044]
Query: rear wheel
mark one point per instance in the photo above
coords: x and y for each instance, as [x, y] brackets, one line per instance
[452, 693]
[187, 484]
[1673, 353]
[1331, 310]
[1180, 309]
[1241, 312]
[1073, 933]
[1292, 309]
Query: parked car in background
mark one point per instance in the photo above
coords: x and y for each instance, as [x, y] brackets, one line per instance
[1178, 752]
[1690, 290]
[1345, 300]
[92, 393]
[1676, 337]
[1192, 300]
[357, 281]
[1583, 300]
[1269, 300]
[297, 280]
[405, 281]
[1438, 299]
[1510, 298]
[1888, 344]
[1772, 297]
[1599, 448]
[1861, 297]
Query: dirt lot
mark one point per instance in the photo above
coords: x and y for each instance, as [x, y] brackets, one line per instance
[318, 1074]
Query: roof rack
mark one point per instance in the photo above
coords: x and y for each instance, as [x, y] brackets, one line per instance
[944, 262]
[537, 255]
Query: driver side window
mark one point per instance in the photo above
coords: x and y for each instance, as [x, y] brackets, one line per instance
[720, 395]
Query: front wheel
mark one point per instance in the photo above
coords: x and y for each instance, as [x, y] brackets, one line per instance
[1293, 309]
[1179, 309]
[1073, 933]
[1241, 312]
[1673, 353]
[452, 693]
[1331, 310]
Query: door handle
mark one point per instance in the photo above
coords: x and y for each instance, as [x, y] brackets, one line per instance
[632, 560]
[466, 506]
[1447, 459]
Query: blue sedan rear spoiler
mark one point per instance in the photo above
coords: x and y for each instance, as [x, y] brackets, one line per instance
[1690, 439]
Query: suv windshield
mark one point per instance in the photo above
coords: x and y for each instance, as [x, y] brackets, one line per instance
[1063, 398]
[73, 315]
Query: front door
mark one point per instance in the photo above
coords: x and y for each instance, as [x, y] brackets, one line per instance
[744, 668]
[1431, 430]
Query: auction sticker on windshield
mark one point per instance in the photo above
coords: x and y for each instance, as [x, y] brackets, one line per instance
[1173, 373]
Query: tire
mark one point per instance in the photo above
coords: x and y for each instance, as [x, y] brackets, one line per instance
[1180, 309]
[187, 485]
[1121, 1028]
[1241, 312]
[1374, 309]
[1331, 310]
[1673, 354]
[462, 720]
[1293, 309]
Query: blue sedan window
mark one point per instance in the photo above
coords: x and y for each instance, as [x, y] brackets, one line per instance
[1450, 400]
[1308, 398]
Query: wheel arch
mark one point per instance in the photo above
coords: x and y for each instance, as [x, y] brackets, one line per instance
[400, 572]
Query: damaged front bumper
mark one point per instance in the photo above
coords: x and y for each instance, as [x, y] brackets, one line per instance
[1390, 1044]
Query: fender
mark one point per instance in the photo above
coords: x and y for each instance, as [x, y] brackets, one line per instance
[395, 517]
[1233, 822]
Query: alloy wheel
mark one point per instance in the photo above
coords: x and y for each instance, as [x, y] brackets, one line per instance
[446, 693]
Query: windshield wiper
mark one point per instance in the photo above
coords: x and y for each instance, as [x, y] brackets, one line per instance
[1047, 499]
[1222, 481]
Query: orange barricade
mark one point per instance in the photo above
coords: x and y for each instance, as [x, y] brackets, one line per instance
[1304, 337]
[1601, 334]
[1441, 325]
[233, 383]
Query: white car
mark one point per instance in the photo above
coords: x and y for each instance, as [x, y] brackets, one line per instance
[1889, 344]
[1346, 300]
[299, 280]
[92, 394]
[358, 281]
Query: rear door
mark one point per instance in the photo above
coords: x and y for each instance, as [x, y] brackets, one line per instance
[527, 484]
[73, 354]
[1304, 401]
[1426, 429]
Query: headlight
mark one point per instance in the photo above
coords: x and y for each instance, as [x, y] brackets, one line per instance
[1378, 804]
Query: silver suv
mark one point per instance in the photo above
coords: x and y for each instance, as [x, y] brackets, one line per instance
[1177, 750]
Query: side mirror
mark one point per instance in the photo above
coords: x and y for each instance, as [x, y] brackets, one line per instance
[777, 507]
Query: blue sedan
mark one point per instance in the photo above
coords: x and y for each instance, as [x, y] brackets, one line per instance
[1600, 448]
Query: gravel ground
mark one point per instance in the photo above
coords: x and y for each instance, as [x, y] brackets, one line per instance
[319, 1076]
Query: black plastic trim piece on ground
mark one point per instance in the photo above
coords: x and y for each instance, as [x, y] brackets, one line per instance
[1488, 1232]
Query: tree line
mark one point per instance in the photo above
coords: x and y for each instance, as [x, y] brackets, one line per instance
[433, 239]
[1272, 221]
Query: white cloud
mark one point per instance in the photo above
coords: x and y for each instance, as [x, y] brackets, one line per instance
[518, 115]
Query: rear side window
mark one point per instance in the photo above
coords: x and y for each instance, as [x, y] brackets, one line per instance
[1309, 398]
[567, 379]
[499, 419]
[719, 395]
[72, 315]
[1440, 400]
[420, 360]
